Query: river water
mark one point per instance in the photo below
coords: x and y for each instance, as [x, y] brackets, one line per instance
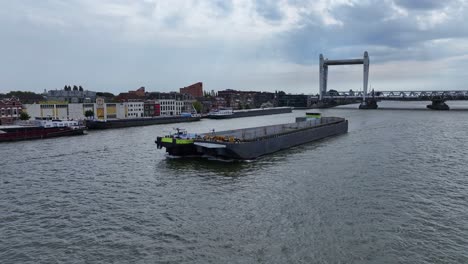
[392, 190]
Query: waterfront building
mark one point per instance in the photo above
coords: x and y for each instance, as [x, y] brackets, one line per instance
[135, 109]
[138, 94]
[218, 102]
[238, 99]
[10, 110]
[171, 107]
[172, 103]
[61, 111]
[75, 112]
[71, 96]
[152, 108]
[89, 107]
[206, 104]
[188, 105]
[104, 111]
[194, 90]
[131, 108]
[170, 95]
[312, 99]
[264, 98]
[293, 100]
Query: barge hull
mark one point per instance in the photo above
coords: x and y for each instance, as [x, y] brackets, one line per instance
[92, 124]
[259, 112]
[255, 149]
[250, 143]
[41, 133]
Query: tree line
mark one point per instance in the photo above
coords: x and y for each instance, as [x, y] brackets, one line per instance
[24, 97]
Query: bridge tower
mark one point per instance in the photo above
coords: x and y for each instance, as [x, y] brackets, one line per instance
[323, 78]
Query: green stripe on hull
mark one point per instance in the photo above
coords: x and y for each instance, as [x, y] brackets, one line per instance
[178, 141]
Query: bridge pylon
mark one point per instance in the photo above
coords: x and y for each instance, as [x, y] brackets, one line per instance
[323, 78]
[438, 104]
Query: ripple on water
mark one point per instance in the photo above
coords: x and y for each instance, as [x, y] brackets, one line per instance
[392, 190]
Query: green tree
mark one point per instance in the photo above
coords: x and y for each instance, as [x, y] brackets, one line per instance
[198, 106]
[24, 116]
[89, 113]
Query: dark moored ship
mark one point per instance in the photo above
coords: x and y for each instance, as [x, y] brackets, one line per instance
[39, 129]
[225, 113]
[250, 143]
[144, 121]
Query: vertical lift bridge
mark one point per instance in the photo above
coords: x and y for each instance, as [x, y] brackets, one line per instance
[323, 79]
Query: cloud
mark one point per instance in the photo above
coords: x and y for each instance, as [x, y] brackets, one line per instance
[422, 4]
[116, 45]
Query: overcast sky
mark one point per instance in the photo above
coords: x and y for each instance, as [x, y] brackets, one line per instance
[120, 45]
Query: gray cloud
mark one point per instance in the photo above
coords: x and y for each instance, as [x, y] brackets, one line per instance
[374, 27]
[269, 9]
[422, 4]
[119, 45]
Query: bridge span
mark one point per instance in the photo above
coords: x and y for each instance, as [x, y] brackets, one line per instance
[438, 98]
[369, 100]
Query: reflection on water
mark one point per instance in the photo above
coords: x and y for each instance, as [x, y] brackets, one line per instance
[218, 167]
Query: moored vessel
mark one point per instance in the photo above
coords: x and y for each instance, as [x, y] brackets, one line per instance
[144, 121]
[40, 128]
[250, 143]
[225, 113]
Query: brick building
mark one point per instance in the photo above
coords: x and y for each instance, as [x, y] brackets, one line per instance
[264, 98]
[238, 99]
[10, 110]
[152, 108]
[137, 95]
[139, 92]
[293, 100]
[195, 90]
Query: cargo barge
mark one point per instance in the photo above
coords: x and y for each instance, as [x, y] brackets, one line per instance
[250, 143]
[40, 129]
[225, 113]
[145, 121]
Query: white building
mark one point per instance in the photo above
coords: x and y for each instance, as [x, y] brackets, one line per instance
[171, 107]
[75, 111]
[55, 111]
[104, 111]
[135, 109]
[101, 110]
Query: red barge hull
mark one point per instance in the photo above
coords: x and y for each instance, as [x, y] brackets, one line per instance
[16, 133]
